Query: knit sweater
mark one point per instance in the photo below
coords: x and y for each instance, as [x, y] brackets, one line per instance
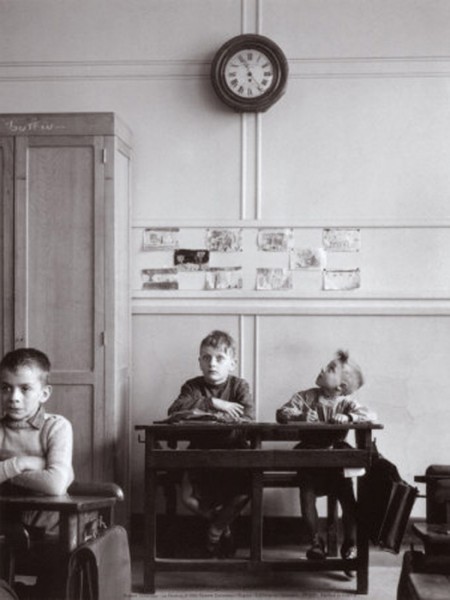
[198, 393]
[47, 436]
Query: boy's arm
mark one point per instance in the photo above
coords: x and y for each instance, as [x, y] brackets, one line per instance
[55, 478]
[190, 397]
[294, 410]
[356, 412]
[12, 466]
[237, 406]
[244, 397]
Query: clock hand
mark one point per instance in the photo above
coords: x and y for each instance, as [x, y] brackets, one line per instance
[258, 85]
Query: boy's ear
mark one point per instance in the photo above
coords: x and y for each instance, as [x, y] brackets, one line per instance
[46, 393]
[343, 388]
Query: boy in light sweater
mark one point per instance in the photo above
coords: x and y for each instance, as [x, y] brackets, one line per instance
[35, 446]
[35, 458]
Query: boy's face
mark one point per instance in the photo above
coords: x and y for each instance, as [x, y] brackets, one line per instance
[331, 378]
[216, 363]
[23, 391]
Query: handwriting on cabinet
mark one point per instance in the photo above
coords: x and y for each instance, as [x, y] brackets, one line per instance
[22, 126]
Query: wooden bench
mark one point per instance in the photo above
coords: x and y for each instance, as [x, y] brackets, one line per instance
[425, 586]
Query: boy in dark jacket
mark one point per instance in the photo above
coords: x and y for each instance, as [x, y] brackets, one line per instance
[217, 496]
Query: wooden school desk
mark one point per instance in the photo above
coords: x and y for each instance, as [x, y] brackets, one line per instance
[75, 513]
[260, 458]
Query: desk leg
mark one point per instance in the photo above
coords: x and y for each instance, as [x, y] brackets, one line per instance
[150, 531]
[362, 573]
[69, 534]
[257, 516]
[332, 519]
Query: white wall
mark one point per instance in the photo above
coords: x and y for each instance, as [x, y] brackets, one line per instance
[360, 139]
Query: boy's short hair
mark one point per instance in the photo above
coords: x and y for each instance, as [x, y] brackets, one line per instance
[26, 357]
[217, 339]
[353, 376]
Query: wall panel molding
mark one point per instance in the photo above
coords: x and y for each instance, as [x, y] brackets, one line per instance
[277, 305]
[299, 68]
[366, 223]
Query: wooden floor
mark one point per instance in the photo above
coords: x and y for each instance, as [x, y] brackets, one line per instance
[383, 578]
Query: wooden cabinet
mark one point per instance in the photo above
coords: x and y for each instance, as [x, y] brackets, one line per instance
[65, 221]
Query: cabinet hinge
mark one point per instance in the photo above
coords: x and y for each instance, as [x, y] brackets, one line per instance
[104, 156]
[103, 338]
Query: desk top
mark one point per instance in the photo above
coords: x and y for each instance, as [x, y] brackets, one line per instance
[294, 431]
[435, 533]
[261, 425]
[254, 426]
[66, 503]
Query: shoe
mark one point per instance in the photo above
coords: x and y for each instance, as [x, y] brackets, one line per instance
[317, 551]
[227, 546]
[212, 550]
[348, 552]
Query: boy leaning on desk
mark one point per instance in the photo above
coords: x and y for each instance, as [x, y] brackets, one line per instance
[35, 446]
[332, 401]
[219, 497]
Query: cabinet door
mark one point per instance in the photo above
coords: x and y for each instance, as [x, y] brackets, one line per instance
[59, 279]
[6, 243]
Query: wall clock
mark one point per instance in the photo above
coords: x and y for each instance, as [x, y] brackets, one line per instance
[249, 73]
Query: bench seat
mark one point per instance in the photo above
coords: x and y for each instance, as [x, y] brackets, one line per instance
[425, 586]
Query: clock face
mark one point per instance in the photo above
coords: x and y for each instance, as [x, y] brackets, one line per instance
[249, 73]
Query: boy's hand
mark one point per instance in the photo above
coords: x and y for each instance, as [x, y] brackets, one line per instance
[341, 419]
[31, 463]
[312, 416]
[233, 409]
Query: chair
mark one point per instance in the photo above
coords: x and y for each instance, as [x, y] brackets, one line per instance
[426, 574]
[27, 554]
[6, 591]
[434, 531]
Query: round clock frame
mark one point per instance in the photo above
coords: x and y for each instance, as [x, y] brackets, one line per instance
[263, 92]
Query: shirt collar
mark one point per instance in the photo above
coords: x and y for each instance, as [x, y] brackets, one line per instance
[36, 421]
